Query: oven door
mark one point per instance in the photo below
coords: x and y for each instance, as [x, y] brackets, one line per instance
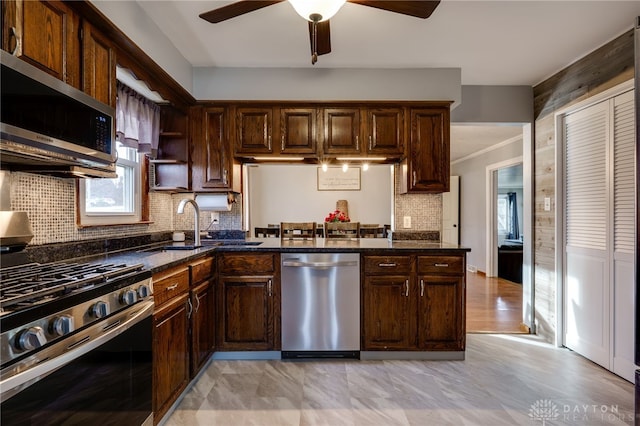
[102, 377]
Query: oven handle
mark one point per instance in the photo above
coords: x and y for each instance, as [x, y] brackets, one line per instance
[14, 384]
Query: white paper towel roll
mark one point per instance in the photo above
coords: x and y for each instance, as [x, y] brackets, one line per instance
[214, 202]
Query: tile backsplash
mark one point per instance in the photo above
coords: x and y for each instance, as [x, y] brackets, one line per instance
[50, 204]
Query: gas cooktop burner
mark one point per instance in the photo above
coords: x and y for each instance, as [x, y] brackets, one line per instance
[35, 283]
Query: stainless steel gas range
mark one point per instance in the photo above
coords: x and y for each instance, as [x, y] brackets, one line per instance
[75, 344]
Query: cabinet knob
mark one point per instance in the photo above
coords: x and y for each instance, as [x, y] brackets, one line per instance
[415, 178]
[406, 283]
[270, 288]
[269, 143]
[282, 143]
[225, 177]
[357, 143]
[421, 288]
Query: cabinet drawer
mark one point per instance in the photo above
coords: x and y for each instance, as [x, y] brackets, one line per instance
[201, 270]
[253, 264]
[441, 265]
[169, 284]
[387, 265]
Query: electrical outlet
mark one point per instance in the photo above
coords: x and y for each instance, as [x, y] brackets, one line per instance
[215, 217]
[547, 204]
[406, 223]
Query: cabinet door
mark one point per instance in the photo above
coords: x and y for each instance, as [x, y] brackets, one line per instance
[98, 66]
[298, 130]
[441, 313]
[429, 152]
[45, 34]
[213, 166]
[202, 325]
[385, 131]
[170, 354]
[246, 313]
[254, 130]
[341, 131]
[389, 313]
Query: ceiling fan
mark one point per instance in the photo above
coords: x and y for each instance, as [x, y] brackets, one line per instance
[318, 13]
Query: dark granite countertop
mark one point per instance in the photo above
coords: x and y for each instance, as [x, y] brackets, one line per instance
[154, 256]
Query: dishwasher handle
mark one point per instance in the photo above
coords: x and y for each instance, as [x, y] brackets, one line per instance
[301, 264]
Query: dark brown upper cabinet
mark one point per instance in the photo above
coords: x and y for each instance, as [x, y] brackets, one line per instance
[426, 168]
[45, 34]
[98, 65]
[298, 131]
[341, 131]
[254, 130]
[214, 169]
[384, 132]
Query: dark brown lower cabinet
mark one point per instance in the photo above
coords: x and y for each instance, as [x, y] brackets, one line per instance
[420, 309]
[389, 322]
[170, 354]
[440, 313]
[202, 325]
[248, 302]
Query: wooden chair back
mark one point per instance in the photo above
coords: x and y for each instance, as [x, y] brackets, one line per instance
[297, 230]
[372, 231]
[342, 229]
[268, 232]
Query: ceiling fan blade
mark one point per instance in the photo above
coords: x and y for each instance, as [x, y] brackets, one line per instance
[419, 9]
[235, 9]
[323, 37]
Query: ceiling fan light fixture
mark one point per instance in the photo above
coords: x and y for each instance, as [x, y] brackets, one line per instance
[317, 10]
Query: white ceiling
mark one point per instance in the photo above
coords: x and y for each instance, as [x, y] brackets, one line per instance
[517, 42]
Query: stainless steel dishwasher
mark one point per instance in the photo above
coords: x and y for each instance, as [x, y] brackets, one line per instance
[320, 305]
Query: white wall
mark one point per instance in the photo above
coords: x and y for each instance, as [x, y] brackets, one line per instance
[320, 84]
[472, 174]
[281, 193]
[129, 17]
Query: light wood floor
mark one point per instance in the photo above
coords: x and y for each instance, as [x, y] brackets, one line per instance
[505, 379]
[494, 305]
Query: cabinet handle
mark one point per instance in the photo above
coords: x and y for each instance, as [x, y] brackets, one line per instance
[414, 178]
[357, 143]
[269, 142]
[197, 300]
[225, 177]
[406, 283]
[282, 143]
[190, 308]
[17, 49]
[441, 265]
[370, 143]
[421, 288]
[270, 288]
[387, 265]
[171, 287]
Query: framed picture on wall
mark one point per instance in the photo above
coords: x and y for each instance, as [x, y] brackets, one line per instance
[335, 179]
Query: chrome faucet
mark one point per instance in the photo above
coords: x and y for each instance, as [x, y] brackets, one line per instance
[196, 225]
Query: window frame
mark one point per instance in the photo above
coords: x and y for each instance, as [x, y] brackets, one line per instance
[140, 199]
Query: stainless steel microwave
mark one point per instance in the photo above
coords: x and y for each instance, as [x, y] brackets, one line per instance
[50, 127]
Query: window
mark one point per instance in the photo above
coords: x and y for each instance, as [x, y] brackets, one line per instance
[503, 214]
[113, 201]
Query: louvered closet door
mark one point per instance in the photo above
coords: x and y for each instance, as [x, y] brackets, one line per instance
[600, 233]
[586, 280]
[624, 236]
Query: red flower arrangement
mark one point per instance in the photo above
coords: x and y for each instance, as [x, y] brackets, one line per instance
[337, 216]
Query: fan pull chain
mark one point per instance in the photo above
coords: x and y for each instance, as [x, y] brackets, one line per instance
[314, 55]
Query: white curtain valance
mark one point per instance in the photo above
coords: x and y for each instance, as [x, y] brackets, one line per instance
[137, 120]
